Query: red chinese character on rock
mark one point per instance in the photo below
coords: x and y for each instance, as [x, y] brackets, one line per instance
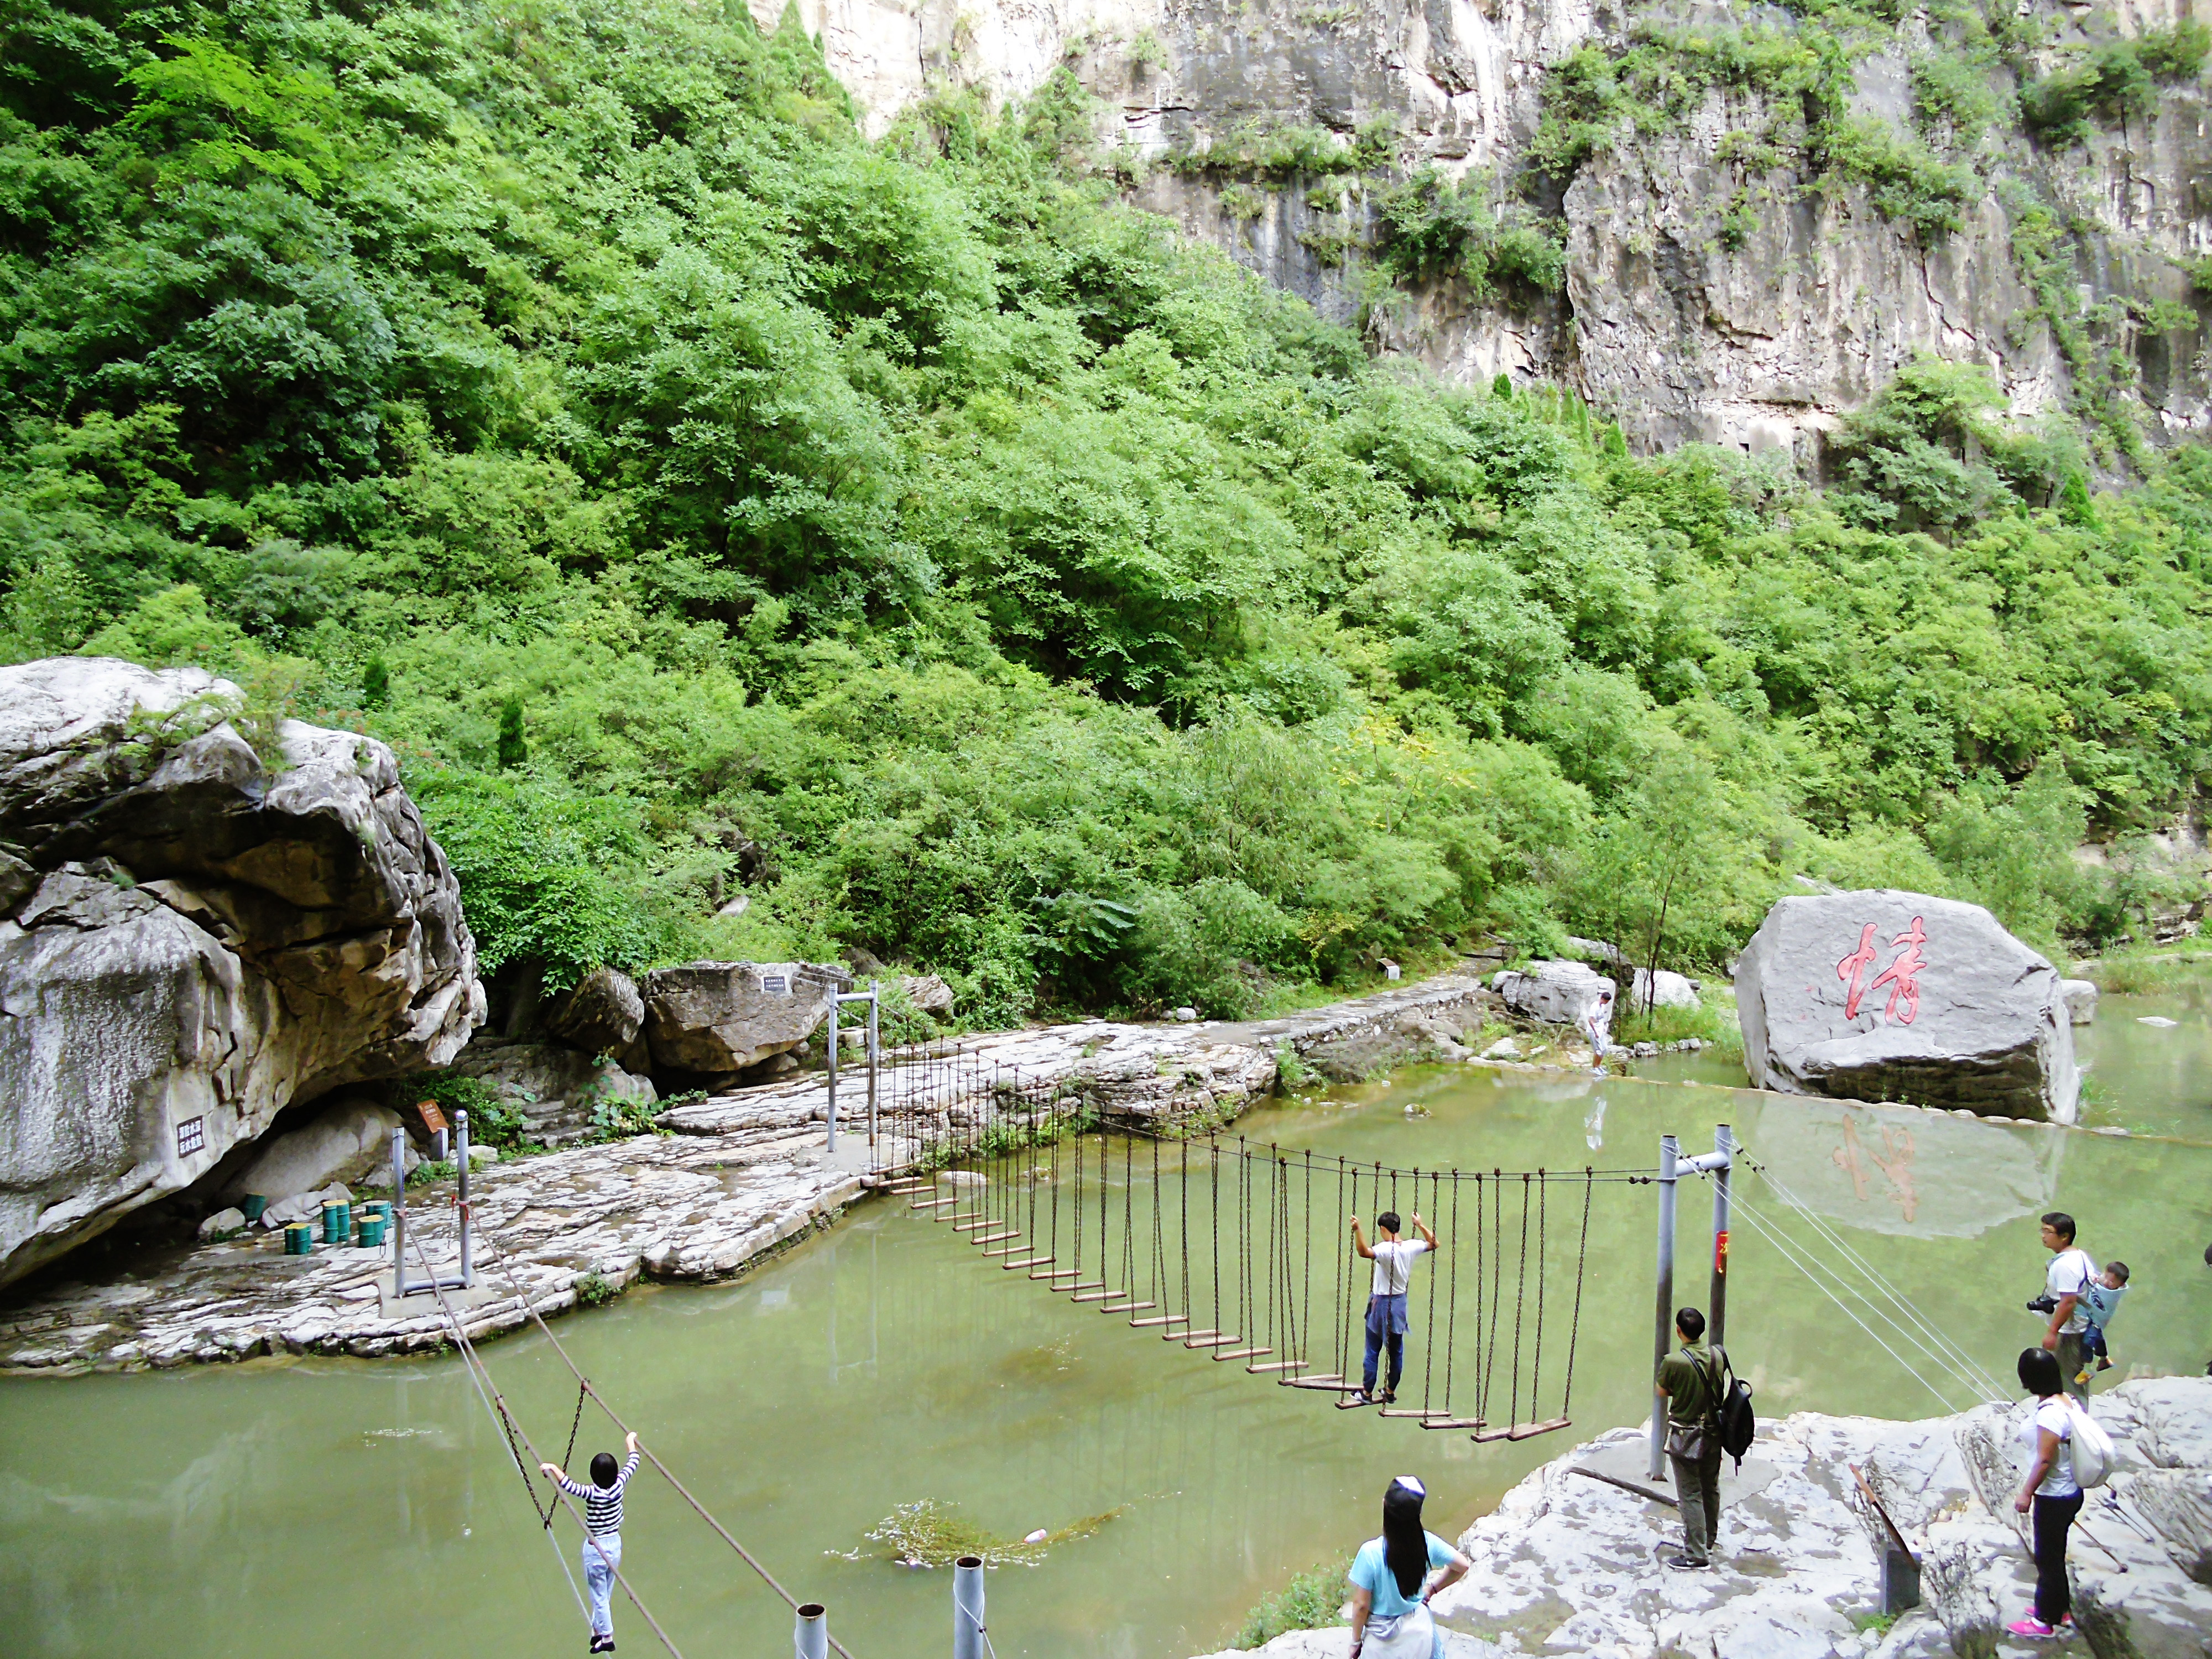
[1852, 968]
[1902, 975]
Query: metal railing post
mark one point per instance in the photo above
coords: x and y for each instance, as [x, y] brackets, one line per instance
[1669, 1149]
[461, 1151]
[833, 1001]
[967, 1607]
[399, 1213]
[810, 1637]
[1723, 1150]
[875, 1054]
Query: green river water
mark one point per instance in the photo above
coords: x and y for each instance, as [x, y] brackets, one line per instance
[348, 1505]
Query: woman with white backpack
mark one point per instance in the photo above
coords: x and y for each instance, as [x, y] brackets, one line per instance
[2053, 1434]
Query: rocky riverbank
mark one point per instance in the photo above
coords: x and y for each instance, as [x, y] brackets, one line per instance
[1572, 1565]
[740, 1174]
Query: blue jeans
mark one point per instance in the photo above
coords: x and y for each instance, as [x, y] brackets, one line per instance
[2092, 1342]
[1386, 1324]
[602, 1556]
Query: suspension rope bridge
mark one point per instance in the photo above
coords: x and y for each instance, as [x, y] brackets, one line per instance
[1211, 1244]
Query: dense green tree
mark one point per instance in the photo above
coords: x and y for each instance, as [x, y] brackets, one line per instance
[914, 534]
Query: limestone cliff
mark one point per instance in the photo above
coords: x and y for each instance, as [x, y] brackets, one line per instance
[1720, 284]
[194, 933]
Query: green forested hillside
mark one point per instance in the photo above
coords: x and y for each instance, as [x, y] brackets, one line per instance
[914, 541]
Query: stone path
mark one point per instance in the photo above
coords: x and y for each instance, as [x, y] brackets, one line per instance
[1569, 1565]
[742, 1173]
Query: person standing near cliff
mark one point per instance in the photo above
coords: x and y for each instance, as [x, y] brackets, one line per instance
[1690, 1388]
[1394, 1260]
[2063, 1283]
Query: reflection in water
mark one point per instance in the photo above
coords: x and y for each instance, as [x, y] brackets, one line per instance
[265, 1504]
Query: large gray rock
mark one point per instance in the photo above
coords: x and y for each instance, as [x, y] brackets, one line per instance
[555, 1088]
[2081, 1000]
[198, 938]
[345, 1141]
[928, 993]
[1664, 989]
[714, 1018]
[602, 1015]
[1560, 993]
[1885, 995]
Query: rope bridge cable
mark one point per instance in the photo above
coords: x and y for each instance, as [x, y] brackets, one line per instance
[485, 1236]
[1929, 1330]
[1958, 1368]
[480, 1376]
[1783, 1247]
[475, 1363]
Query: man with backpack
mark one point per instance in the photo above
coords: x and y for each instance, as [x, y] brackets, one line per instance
[1690, 1384]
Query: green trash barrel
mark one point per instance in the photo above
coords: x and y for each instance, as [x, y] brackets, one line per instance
[337, 1221]
[251, 1206]
[299, 1239]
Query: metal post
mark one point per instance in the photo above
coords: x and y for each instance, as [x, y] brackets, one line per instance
[461, 1151]
[809, 1639]
[1717, 1314]
[875, 1055]
[967, 1607]
[399, 1213]
[834, 999]
[1669, 1149]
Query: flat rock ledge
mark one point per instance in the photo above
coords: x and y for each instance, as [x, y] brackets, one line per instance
[743, 1174]
[668, 1207]
[1569, 1565]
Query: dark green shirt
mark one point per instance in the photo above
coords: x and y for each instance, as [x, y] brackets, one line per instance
[1689, 1375]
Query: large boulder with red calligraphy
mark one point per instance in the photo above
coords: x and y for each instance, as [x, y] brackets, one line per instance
[1883, 995]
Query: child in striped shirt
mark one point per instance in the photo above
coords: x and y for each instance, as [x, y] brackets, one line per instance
[603, 1519]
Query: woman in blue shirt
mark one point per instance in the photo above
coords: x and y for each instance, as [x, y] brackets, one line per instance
[1391, 1583]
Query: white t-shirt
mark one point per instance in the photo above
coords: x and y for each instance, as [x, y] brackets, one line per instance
[1394, 1265]
[2051, 1414]
[2070, 1275]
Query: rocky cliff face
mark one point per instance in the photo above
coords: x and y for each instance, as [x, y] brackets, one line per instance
[1716, 289]
[193, 936]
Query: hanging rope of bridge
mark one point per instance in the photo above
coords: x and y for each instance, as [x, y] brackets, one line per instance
[1428, 1344]
[479, 1371]
[1932, 1340]
[484, 1237]
[1520, 1302]
[1305, 1309]
[1451, 1295]
[1343, 1277]
[1543, 1256]
[1574, 1325]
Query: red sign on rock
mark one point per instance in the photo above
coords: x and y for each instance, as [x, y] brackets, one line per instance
[1902, 976]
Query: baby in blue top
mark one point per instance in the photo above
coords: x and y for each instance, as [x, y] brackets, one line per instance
[2101, 1300]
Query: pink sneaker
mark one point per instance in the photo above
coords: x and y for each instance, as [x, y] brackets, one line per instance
[2031, 1626]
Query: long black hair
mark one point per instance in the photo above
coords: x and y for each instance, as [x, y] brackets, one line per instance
[1404, 1542]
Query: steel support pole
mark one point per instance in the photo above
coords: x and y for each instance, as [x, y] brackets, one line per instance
[399, 1213]
[833, 1001]
[810, 1637]
[875, 1056]
[1717, 1314]
[967, 1607]
[1669, 1149]
[461, 1151]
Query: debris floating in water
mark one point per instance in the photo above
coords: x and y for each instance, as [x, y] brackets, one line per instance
[2155, 1020]
[928, 1533]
